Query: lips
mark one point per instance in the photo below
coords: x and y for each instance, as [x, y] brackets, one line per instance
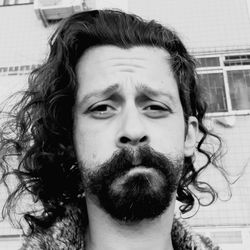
[139, 169]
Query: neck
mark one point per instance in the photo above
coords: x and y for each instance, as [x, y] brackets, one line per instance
[105, 233]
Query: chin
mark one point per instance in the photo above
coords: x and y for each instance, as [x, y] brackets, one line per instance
[136, 196]
[132, 193]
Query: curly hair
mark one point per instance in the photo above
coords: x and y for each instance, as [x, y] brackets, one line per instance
[39, 130]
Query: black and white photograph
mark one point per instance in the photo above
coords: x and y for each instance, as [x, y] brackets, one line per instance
[124, 124]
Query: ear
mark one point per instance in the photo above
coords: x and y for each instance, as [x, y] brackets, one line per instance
[191, 136]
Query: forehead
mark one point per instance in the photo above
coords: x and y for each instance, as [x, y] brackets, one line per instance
[103, 66]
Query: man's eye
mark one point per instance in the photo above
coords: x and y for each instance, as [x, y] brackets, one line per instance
[155, 107]
[102, 111]
[156, 111]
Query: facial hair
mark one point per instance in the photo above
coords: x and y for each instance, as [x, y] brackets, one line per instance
[131, 192]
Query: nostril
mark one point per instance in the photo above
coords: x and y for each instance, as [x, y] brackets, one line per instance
[124, 139]
[143, 139]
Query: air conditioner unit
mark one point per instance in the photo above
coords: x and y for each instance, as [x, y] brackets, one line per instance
[57, 9]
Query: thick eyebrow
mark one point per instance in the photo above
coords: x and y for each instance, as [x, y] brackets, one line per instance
[141, 88]
[99, 94]
[145, 89]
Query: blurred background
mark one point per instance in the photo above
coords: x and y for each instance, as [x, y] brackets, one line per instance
[216, 33]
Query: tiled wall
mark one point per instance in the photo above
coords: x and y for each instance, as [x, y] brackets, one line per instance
[236, 161]
[23, 38]
[213, 24]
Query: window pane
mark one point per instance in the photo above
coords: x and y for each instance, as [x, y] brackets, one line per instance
[239, 85]
[208, 62]
[237, 60]
[15, 2]
[9, 2]
[24, 1]
[213, 89]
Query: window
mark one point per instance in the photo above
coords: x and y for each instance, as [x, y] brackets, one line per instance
[239, 86]
[214, 91]
[227, 237]
[237, 60]
[14, 2]
[208, 62]
[225, 82]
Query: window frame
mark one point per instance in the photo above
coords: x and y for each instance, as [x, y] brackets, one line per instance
[224, 70]
[16, 2]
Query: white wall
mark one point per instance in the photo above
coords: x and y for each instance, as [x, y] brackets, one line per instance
[204, 25]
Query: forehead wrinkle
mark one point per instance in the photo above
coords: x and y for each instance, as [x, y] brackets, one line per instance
[127, 67]
[129, 70]
[126, 58]
[124, 61]
[133, 65]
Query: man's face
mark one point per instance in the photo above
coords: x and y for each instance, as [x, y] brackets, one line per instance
[129, 129]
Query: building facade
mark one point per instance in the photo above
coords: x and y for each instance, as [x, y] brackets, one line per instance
[217, 33]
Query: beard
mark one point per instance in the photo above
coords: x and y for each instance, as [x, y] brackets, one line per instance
[133, 185]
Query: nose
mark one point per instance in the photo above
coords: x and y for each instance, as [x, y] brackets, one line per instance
[132, 131]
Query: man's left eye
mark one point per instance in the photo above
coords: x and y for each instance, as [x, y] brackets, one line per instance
[156, 111]
[155, 107]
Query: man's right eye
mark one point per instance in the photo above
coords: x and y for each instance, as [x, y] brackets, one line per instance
[102, 111]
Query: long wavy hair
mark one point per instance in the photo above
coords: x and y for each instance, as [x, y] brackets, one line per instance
[39, 128]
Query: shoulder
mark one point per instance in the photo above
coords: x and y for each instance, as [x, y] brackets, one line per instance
[185, 238]
[65, 233]
[208, 243]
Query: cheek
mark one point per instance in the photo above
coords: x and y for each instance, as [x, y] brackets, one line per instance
[92, 147]
[169, 138]
[86, 146]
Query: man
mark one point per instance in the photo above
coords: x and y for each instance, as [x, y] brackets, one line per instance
[106, 133]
